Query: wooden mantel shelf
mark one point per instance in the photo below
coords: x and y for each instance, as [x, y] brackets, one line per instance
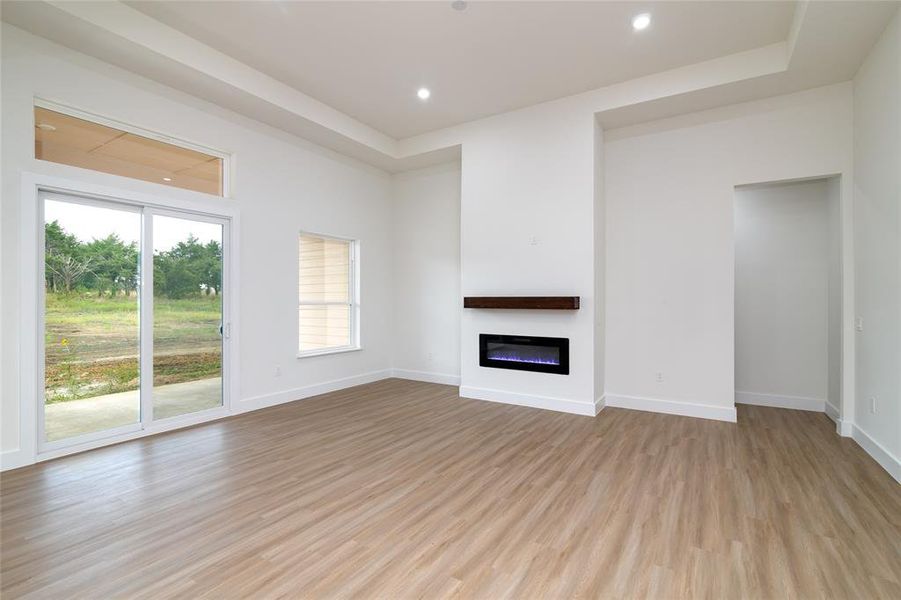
[523, 302]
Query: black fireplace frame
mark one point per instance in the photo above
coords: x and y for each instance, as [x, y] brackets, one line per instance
[560, 343]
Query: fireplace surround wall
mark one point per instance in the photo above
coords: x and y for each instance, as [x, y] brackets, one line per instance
[524, 353]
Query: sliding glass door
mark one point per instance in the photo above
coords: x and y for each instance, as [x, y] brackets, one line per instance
[91, 322]
[187, 315]
[133, 327]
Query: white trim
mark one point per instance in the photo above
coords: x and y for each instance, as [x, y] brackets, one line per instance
[30, 314]
[426, 376]
[547, 403]
[847, 391]
[145, 322]
[327, 351]
[40, 330]
[878, 452]
[844, 427]
[55, 195]
[327, 236]
[84, 115]
[266, 400]
[779, 401]
[831, 411]
[76, 183]
[15, 458]
[672, 407]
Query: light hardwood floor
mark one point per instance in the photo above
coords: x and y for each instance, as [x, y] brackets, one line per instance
[400, 489]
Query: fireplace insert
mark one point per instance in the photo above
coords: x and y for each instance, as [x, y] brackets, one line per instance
[524, 353]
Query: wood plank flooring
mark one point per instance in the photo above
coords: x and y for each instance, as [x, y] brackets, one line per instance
[400, 489]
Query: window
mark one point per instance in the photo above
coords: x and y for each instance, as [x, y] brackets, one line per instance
[109, 147]
[327, 299]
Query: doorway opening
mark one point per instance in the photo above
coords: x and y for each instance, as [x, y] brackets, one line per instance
[788, 295]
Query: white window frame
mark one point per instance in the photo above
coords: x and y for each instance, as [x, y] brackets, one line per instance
[153, 135]
[353, 302]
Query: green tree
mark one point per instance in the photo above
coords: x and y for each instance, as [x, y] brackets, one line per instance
[181, 280]
[114, 265]
[211, 267]
[188, 268]
[173, 276]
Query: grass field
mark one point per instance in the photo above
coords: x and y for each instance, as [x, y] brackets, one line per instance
[92, 343]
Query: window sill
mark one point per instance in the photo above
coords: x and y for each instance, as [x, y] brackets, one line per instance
[326, 351]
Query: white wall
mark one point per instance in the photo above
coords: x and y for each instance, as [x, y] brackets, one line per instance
[426, 259]
[782, 293]
[877, 196]
[670, 250]
[281, 184]
[527, 212]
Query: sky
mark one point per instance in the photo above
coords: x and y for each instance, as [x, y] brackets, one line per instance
[91, 222]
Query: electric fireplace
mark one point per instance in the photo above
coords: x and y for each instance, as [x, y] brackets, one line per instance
[524, 353]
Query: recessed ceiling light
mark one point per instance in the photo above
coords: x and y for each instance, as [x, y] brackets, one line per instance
[167, 179]
[46, 127]
[423, 93]
[458, 5]
[641, 21]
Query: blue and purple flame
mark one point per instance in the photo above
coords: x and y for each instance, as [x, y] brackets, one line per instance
[512, 357]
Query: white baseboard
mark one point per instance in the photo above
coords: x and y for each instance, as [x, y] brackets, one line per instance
[672, 407]
[13, 459]
[832, 412]
[427, 376]
[778, 401]
[878, 452]
[266, 400]
[844, 428]
[558, 404]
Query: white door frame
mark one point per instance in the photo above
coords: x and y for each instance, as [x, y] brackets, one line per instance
[147, 301]
[845, 418]
[192, 205]
[44, 194]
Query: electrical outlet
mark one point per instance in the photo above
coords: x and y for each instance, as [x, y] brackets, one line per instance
[278, 370]
[659, 377]
[873, 405]
[858, 323]
[431, 357]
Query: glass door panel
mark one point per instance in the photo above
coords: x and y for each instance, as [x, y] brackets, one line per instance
[187, 315]
[91, 318]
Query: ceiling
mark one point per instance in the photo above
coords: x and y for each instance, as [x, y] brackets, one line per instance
[367, 59]
[344, 75]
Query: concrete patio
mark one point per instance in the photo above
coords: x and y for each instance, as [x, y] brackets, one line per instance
[77, 417]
